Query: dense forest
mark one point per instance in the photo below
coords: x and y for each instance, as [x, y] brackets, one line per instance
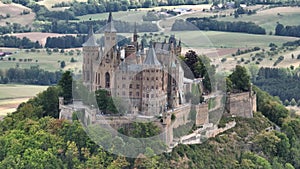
[282, 30]
[214, 25]
[33, 75]
[33, 137]
[15, 42]
[284, 83]
[65, 42]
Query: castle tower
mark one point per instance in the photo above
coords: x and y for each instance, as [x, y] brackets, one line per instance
[109, 58]
[110, 34]
[153, 95]
[90, 53]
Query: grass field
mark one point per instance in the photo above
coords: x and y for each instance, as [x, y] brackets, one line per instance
[129, 16]
[212, 39]
[45, 61]
[11, 95]
[268, 18]
[50, 3]
[9, 91]
[14, 10]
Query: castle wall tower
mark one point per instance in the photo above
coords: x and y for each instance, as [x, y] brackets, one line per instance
[153, 95]
[90, 53]
[109, 58]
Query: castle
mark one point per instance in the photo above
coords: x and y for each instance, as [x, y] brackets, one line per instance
[150, 81]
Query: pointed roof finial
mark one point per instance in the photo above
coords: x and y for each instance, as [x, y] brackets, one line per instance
[110, 24]
[109, 17]
[91, 31]
[135, 28]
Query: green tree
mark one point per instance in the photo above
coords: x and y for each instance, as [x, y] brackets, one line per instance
[293, 102]
[240, 79]
[62, 64]
[286, 102]
[66, 85]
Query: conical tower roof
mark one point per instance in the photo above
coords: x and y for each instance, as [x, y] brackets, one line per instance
[110, 24]
[151, 58]
[92, 40]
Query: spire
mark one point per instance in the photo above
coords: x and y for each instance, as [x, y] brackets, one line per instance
[151, 58]
[135, 35]
[91, 38]
[110, 24]
[91, 31]
[135, 28]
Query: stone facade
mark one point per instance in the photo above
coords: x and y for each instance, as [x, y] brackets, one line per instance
[241, 104]
[150, 81]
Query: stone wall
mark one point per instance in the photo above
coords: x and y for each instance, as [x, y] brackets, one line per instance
[241, 104]
[202, 114]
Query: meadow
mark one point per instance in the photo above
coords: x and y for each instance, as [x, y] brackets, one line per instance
[41, 59]
[128, 16]
[50, 3]
[268, 18]
[11, 95]
[14, 11]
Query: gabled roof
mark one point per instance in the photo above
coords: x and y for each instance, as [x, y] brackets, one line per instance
[110, 24]
[151, 58]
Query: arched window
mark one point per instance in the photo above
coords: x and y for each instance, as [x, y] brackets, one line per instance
[107, 80]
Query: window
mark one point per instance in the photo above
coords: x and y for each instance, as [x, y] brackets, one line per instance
[107, 80]
[147, 95]
[123, 86]
[137, 94]
[130, 93]
[137, 86]
[123, 93]
[130, 86]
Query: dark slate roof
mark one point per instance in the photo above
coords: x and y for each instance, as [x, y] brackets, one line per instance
[92, 40]
[110, 24]
[151, 58]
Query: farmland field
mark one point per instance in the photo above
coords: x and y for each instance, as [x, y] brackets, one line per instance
[205, 39]
[11, 95]
[14, 10]
[42, 59]
[50, 3]
[268, 18]
[129, 16]
[38, 36]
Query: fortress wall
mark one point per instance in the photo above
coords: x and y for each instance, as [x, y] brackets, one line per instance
[202, 114]
[66, 112]
[254, 103]
[182, 115]
[241, 104]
